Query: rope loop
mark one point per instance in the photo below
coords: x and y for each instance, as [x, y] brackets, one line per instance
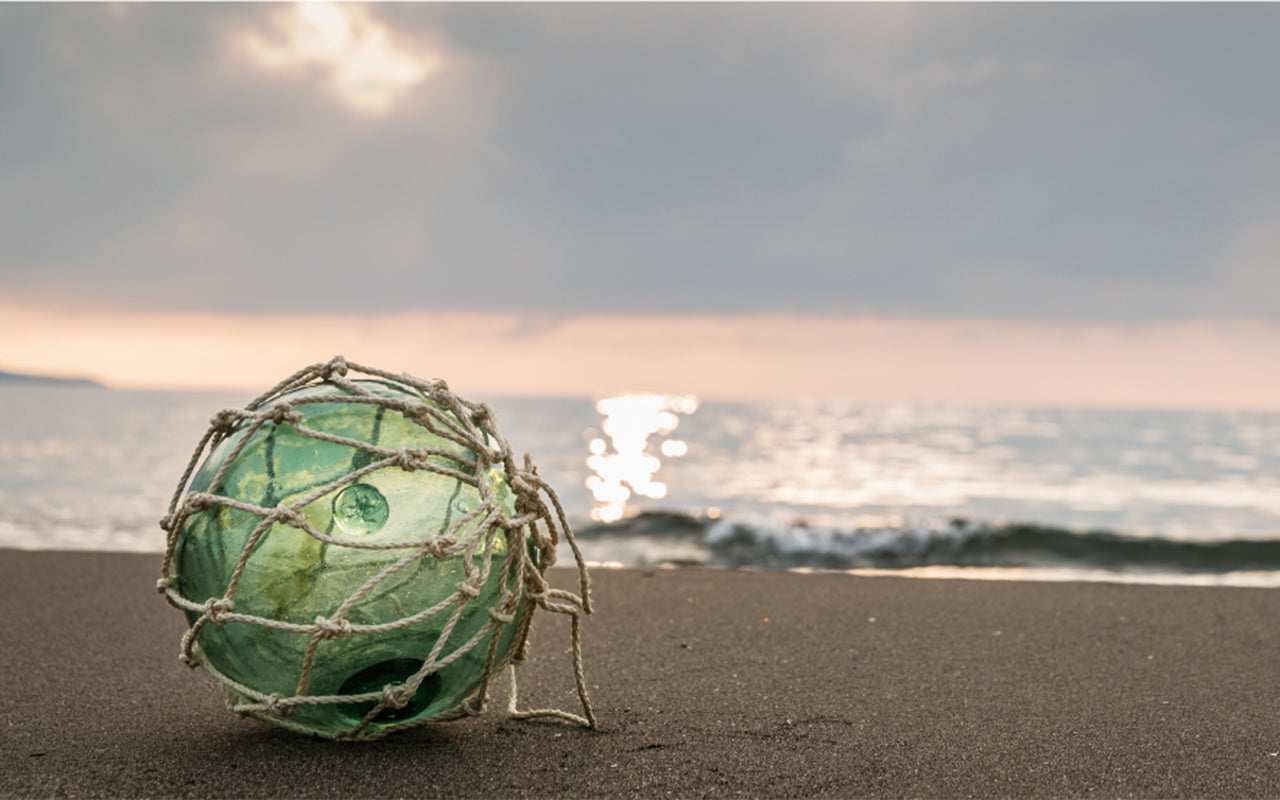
[502, 615]
[541, 539]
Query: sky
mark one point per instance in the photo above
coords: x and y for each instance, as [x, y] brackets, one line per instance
[1048, 204]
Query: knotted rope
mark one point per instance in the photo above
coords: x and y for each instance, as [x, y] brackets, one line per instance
[539, 519]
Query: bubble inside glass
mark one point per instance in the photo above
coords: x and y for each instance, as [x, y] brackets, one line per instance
[291, 576]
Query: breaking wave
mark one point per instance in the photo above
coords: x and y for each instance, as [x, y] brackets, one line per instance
[763, 542]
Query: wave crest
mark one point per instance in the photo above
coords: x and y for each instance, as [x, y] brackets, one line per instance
[769, 542]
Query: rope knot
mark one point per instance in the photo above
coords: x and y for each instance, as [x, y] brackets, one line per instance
[289, 516]
[417, 411]
[165, 584]
[501, 615]
[336, 366]
[275, 705]
[333, 628]
[217, 609]
[281, 413]
[469, 589]
[520, 484]
[529, 505]
[397, 695]
[166, 523]
[195, 503]
[226, 420]
[411, 459]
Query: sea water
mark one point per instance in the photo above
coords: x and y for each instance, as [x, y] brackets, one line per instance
[801, 484]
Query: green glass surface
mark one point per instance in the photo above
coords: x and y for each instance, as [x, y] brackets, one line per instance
[291, 576]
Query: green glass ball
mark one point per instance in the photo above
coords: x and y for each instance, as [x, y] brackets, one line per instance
[292, 577]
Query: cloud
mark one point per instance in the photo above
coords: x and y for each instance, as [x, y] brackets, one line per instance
[1063, 162]
[364, 66]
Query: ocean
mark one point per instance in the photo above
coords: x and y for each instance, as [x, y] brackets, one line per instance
[802, 485]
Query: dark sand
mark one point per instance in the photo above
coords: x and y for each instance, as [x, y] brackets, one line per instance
[706, 684]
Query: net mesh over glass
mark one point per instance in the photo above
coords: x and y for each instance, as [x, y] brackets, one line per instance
[360, 555]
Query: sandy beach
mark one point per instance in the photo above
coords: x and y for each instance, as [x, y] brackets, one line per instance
[707, 684]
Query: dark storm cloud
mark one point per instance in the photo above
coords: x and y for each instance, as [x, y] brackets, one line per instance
[1036, 161]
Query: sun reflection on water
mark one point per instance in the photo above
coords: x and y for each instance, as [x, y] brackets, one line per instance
[629, 421]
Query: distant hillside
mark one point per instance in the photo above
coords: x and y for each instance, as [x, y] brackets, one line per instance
[19, 379]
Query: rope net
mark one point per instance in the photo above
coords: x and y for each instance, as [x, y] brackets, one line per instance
[357, 556]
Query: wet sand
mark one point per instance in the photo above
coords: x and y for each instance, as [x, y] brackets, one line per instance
[706, 684]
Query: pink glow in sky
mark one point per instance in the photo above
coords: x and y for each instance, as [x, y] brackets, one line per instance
[1158, 365]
